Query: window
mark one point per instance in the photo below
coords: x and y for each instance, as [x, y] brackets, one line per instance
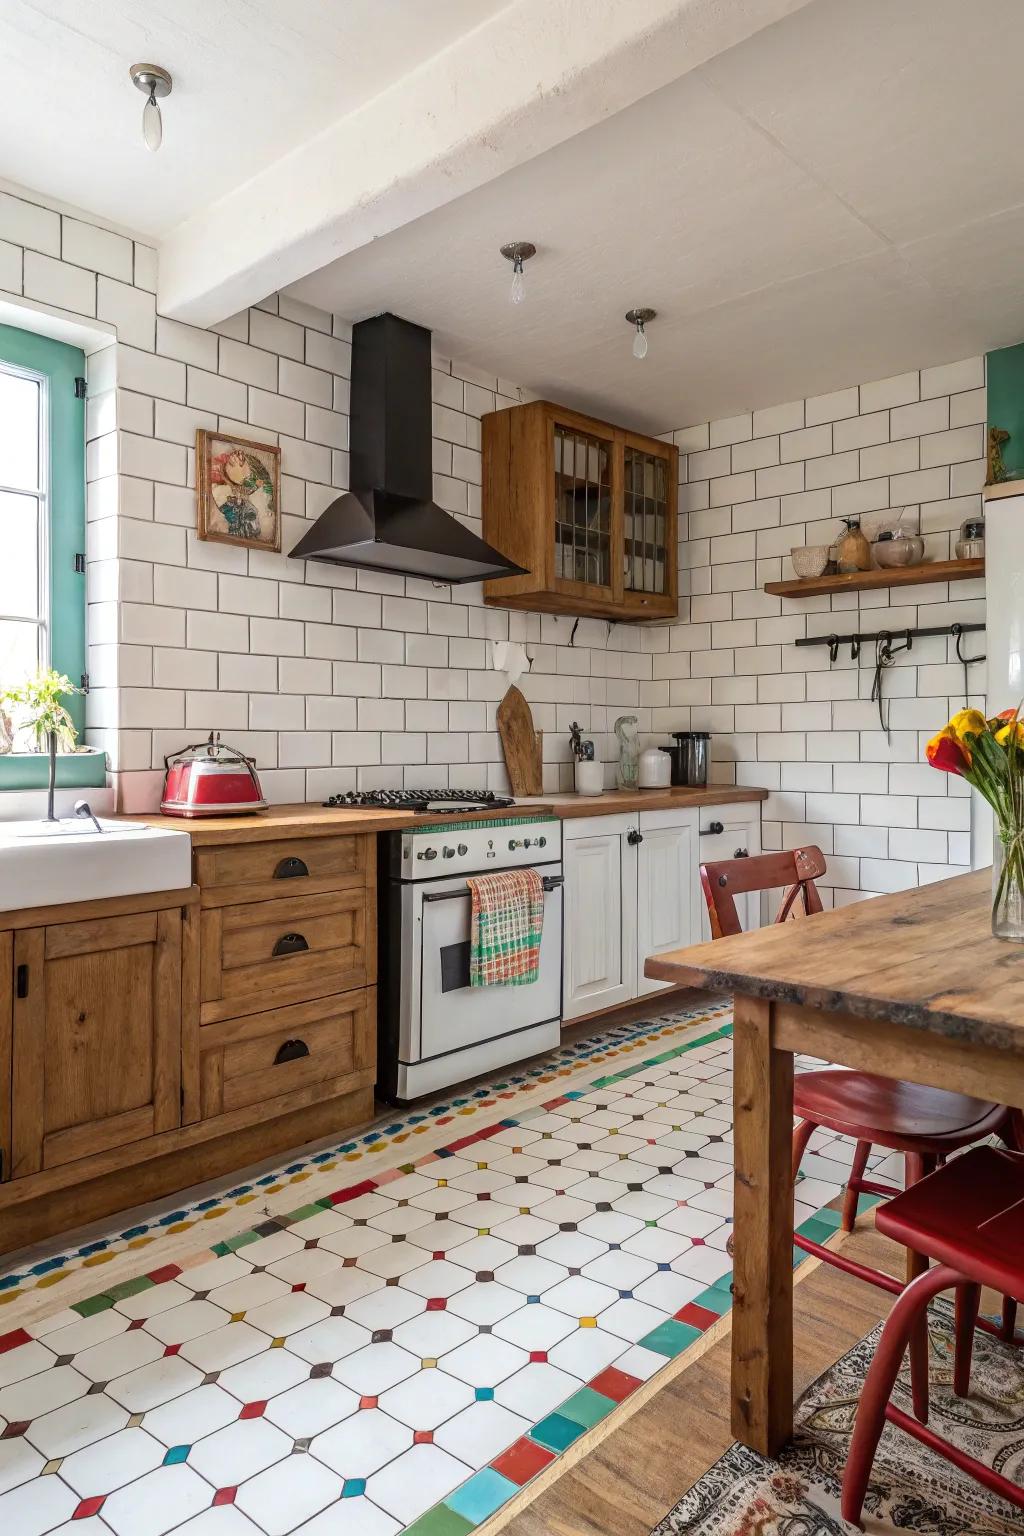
[42, 509]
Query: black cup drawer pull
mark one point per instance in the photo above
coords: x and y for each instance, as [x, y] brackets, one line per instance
[290, 944]
[713, 829]
[292, 1050]
[742, 853]
[290, 869]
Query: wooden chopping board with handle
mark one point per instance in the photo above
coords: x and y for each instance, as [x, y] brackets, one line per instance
[521, 744]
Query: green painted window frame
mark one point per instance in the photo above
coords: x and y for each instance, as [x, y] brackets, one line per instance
[60, 364]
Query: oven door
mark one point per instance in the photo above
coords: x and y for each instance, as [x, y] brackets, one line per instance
[452, 1014]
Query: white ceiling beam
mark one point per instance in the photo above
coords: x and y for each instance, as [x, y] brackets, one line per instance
[537, 73]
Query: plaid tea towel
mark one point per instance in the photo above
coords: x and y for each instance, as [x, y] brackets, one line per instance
[508, 919]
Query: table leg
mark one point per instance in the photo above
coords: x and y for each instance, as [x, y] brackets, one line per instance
[762, 1317]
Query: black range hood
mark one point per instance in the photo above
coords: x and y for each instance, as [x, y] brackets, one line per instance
[388, 521]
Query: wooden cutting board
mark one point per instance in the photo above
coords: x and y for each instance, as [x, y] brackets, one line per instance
[521, 744]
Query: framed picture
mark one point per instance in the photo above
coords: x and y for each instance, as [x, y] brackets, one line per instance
[238, 491]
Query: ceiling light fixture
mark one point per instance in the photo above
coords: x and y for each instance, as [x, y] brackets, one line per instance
[640, 318]
[518, 251]
[155, 83]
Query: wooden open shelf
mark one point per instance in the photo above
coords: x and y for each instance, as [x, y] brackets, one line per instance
[866, 581]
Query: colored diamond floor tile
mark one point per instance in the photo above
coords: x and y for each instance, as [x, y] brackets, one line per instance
[408, 1353]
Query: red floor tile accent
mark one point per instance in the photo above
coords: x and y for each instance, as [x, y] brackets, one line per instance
[436, 1304]
[171, 1349]
[538, 1355]
[614, 1384]
[14, 1429]
[254, 1410]
[423, 1437]
[13, 1339]
[167, 1272]
[367, 1402]
[89, 1507]
[522, 1461]
[342, 1196]
[697, 1317]
[468, 1141]
[225, 1495]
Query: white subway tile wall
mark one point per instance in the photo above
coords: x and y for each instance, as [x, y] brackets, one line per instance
[753, 487]
[336, 680]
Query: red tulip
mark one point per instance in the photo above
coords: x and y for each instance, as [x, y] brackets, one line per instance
[945, 752]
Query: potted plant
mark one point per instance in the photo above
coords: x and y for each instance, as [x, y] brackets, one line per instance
[37, 703]
[989, 754]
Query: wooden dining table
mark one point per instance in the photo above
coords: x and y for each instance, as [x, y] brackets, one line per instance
[911, 986]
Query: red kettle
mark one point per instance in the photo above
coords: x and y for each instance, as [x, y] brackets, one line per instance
[211, 779]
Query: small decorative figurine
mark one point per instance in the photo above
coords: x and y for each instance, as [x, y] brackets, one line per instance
[997, 471]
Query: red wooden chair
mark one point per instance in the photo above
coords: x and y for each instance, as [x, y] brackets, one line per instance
[925, 1124]
[968, 1217]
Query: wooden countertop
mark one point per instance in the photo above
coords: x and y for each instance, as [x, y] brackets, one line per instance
[925, 959]
[317, 820]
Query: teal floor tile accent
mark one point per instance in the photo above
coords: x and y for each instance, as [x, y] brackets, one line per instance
[176, 1454]
[478, 1498]
[586, 1407]
[715, 1300]
[555, 1432]
[670, 1338]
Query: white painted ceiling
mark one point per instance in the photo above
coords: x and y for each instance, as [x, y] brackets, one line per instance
[838, 198]
[252, 80]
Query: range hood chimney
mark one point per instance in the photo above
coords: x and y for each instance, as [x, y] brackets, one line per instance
[388, 521]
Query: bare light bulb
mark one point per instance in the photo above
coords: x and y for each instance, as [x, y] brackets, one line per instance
[518, 290]
[640, 341]
[638, 319]
[152, 124]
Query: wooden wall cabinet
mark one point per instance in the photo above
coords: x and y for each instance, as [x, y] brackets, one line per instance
[588, 508]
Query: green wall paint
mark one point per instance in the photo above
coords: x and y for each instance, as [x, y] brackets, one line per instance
[1005, 376]
[62, 365]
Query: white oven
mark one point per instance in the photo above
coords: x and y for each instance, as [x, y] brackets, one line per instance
[435, 1029]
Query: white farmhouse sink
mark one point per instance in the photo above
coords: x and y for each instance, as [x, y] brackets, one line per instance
[43, 863]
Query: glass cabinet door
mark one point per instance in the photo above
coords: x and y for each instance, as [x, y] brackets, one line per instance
[583, 506]
[645, 522]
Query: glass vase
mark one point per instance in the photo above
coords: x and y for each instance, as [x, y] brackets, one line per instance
[1008, 887]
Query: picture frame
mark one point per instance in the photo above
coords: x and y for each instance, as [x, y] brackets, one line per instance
[238, 491]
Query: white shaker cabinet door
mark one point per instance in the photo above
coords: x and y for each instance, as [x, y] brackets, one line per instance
[730, 832]
[599, 960]
[666, 860]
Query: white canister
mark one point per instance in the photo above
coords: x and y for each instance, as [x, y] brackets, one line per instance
[589, 777]
[655, 771]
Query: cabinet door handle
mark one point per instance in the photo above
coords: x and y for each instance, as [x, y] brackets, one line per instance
[633, 837]
[290, 944]
[291, 1050]
[713, 829]
[742, 853]
[21, 981]
[290, 869]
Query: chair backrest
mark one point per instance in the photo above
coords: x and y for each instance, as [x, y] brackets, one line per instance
[795, 868]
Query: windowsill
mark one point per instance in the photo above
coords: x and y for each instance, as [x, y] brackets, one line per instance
[75, 770]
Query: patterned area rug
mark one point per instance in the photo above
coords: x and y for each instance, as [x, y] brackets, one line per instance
[911, 1488]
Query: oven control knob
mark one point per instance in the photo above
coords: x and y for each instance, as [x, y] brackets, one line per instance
[526, 842]
[515, 842]
[427, 853]
[542, 842]
[449, 853]
[462, 850]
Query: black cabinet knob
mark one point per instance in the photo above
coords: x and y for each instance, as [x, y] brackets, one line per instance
[713, 829]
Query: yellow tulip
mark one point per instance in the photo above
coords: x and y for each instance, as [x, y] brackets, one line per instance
[1015, 727]
[967, 722]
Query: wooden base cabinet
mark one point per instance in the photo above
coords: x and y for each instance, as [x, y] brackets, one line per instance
[96, 1036]
[632, 889]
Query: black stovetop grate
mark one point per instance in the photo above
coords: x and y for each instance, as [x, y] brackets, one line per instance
[418, 799]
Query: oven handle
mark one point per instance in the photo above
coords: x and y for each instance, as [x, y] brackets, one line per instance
[548, 883]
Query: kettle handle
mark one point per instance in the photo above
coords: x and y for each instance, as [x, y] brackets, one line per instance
[210, 746]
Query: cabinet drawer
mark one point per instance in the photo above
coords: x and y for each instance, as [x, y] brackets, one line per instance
[310, 1051]
[260, 871]
[272, 953]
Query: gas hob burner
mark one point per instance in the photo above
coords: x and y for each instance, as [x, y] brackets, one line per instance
[439, 802]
